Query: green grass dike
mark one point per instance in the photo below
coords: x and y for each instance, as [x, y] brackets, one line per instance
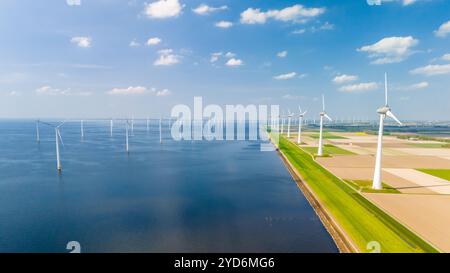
[362, 221]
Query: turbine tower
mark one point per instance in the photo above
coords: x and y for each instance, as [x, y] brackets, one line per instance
[289, 123]
[126, 137]
[38, 137]
[300, 121]
[160, 130]
[383, 112]
[82, 129]
[111, 128]
[322, 115]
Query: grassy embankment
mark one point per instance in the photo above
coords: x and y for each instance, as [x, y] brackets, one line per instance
[441, 173]
[361, 220]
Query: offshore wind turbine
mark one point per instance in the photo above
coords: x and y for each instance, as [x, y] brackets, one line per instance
[111, 128]
[126, 137]
[148, 124]
[38, 137]
[383, 112]
[82, 129]
[300, 122]
[57, 139]
[160, 130]
[322, 115]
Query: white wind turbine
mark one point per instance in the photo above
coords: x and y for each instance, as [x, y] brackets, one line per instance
[383, 112]
[57, 139]
[82, 129]
[300, 122]
[38, 137]
[126, 137]
[322, 115]
[289, 116]
[282, 123]
[111, 124]
[148, 124]
[160, 130]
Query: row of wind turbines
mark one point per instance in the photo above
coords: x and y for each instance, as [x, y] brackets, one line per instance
[383, 112]
[129, 126]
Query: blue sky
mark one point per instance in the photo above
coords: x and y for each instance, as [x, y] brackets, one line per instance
[117, 58]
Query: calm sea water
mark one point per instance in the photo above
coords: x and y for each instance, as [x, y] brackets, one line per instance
[176, 197]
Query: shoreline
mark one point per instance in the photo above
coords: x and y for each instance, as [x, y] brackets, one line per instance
[340, 238]
[343, 243]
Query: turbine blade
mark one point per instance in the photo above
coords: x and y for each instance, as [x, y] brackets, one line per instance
[392, 116]
[60, 138]
[304, 113]
[328, 117]
[299, 109]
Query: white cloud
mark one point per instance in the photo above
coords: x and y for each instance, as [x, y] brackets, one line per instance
[50, 91]
[163, 93]
[163, 9]
[81, 41]
[13, 94]
[204, 9]
[431, 70]
[224, 24]
[134, 43]
[234, 62]
[417, 86]
[73, 2]
[166, 58]
[390, 50]
[132, 90]
[409, 2]
[284, 77]
[359, 87]
[230, 55]
[341, 79]
[443, 30]
[296, 13]
[153, 41]
[215, 57]
[138, 90]
[282, 54]
[299, 31]
[446, 57]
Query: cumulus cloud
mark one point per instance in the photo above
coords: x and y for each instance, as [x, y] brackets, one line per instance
[224, 24]
[234, 62]
[153, 41]
[138, 90]
[296, 13]
[163, 9]
[163, 93]
[50, 91]
[446, 57]
[443, 30]
[82, 41]
[73, 2]
[284, 77]
[204, 9]
[416, 86]
[282, 54]
[166, 58]
[359, 87]
[431, 70]
[390, 50]
[344, 78]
